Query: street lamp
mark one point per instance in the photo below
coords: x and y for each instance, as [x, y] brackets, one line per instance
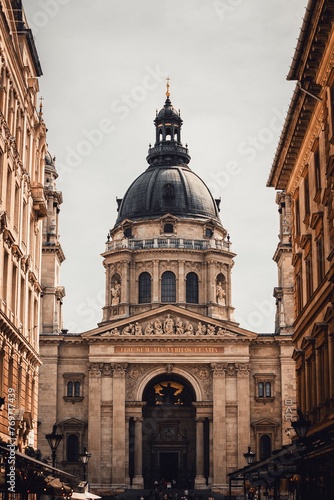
[301, 428]
[54, 439]
[84, 457]
[250, 458]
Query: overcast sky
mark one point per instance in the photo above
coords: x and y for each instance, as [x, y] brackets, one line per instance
[104, 67]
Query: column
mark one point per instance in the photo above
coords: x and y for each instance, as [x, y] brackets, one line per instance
[211, 282]
[127, 475]
[118, 431]
[138, 476]
[219, 426]
[125, 285]
[210, 451]
[199, 479]
[181, 282]
[243, 411]
[155, 281]
[94, 421]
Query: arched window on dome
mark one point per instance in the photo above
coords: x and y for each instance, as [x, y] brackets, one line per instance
[168, 287]
[144, 288]
[265, 446]
[192, 288]
[168, 134]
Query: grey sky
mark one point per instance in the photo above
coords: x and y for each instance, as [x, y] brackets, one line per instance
[104, 67]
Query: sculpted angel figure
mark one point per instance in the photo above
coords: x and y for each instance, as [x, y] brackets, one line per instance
[220, 294]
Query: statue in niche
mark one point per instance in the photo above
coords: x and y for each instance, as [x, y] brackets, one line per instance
[220, 294]
[158, 327]
[188, 328]
[149, 328]
[169, 325]
[179, 326]
[115, 293]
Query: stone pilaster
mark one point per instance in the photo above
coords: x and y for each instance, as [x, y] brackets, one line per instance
[243, 411]
[138, 476]
[118, 432]
[94, 419]
[219, 426]
[199, 479]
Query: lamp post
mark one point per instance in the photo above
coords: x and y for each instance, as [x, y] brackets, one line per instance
[84, 457]
[54, 439]
[250, 458]
[301, 428]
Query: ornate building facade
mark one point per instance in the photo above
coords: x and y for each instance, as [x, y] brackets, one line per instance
[168, 385]
[303, 172]
[22, 208]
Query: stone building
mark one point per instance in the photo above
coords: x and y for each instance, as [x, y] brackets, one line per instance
[22, 208]
[303, 174]
[167, 385]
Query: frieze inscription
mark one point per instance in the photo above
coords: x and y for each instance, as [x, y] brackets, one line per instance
[168, 349]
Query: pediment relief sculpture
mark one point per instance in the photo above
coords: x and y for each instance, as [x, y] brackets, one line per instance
[170, 326]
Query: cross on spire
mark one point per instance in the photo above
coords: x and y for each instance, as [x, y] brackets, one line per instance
[167, 87]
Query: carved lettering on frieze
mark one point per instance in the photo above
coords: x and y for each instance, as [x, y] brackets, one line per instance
[170, 326]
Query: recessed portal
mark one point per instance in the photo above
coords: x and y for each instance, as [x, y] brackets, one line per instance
[169, 431]
[169, 465]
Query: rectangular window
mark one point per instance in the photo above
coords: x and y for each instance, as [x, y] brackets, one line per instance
[299, 292]
[307, 195]
[320, 258]
[317, 171]
[297, 217]
[309, 278]
[9, 192]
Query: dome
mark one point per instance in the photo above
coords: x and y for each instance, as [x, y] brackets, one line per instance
[172, 189]
[168, 185]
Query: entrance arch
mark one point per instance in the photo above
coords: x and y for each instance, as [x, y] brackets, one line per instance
[169, 431]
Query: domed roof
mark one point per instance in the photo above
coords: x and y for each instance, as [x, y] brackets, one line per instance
[171, 189]
[168, 185]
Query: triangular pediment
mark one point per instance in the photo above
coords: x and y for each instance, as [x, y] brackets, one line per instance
[173, 322]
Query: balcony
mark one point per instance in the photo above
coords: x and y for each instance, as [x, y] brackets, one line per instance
[39, 202]
[179, 243]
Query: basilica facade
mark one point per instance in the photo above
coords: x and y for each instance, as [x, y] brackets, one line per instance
[168, 385]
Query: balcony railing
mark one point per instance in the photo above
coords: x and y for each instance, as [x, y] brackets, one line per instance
[133, 244]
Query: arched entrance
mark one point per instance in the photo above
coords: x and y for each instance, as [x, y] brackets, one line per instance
[169, 431]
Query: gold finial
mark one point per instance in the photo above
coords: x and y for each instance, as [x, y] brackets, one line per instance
[167, 87]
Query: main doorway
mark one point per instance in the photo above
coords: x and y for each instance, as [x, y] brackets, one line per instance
[169, 431]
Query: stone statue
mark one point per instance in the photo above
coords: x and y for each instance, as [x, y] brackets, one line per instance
[188, 329]
[169, 325]
[149, 328]
[158, 327]
[138, 329]
[220, 294]
[179, 326]
[116, 294]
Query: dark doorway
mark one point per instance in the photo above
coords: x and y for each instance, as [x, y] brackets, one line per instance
[169, 465]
